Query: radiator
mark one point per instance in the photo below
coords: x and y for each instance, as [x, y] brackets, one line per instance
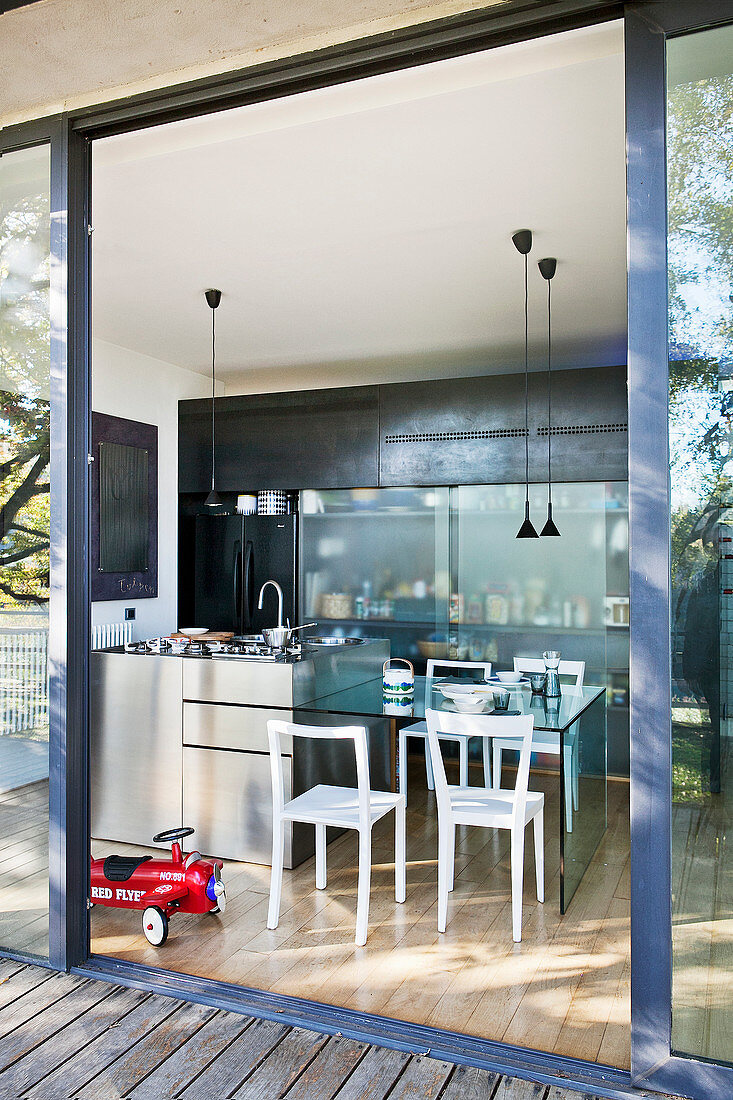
[109, 634]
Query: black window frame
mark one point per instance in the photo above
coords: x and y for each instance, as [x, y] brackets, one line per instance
[647, 24]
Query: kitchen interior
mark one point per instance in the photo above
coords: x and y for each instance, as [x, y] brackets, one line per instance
[306, 496]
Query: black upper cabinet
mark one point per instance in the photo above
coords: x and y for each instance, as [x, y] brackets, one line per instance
[459, 431]
[466, 431]
[313, 439]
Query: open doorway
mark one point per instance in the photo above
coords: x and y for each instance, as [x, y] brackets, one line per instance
[369, 363]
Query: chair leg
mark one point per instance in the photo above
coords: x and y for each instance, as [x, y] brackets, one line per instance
[365, 876]
[517, 882]
[402, 761]
[463, 762]
[451, 857]
[497, 766]
[568, 778]
[400, 861]
[429, 766]
[444, 839]
[276, 876]
[539, 854]
[321, 874]
[487, 761]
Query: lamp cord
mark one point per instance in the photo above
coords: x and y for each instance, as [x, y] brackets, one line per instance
[549, 391]
[213, 393]
[526, 378]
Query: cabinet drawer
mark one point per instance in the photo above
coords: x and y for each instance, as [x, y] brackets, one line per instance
[227, 798]
[218, 726]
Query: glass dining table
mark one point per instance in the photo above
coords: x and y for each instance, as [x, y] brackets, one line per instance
[571, 728]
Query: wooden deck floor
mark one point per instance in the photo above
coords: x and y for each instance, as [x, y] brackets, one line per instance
[564, 989]
[62, 1036]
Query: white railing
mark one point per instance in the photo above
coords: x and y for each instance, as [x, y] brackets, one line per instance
[23, 681]
[109, 634]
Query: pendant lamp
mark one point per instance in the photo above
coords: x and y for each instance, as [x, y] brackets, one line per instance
[522, 241]
[547, 268]
[213, 297]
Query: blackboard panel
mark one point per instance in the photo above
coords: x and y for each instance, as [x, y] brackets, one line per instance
[123, 508]
[127, 435]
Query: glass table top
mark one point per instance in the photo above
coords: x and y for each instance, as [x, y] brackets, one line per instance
[368, 700]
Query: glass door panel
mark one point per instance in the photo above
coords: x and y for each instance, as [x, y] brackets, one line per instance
[375, 563]
[24, 547]
[700, 258]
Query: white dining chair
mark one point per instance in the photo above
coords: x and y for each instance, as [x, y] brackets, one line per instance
[490, 808]
[548, 741]
[419, 729]
[342, 807]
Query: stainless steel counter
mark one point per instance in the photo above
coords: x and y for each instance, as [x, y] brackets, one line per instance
[178, 740]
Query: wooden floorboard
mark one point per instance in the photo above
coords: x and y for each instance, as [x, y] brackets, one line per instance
[561, 987]
[65, 1037]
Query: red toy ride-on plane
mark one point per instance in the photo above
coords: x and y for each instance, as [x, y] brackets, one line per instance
[160, 887]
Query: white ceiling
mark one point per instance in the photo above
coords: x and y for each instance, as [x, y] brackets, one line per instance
[363, 233]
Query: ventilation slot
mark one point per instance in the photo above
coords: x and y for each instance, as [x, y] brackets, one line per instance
[584, 429]
[457, 437]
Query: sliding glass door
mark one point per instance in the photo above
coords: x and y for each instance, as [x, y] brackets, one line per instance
[25, 380]
[700, 266]
[680, 146]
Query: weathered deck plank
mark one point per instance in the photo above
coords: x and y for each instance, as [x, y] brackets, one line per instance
[119, 1078]
[468, 1083]
[184, 1066]
[49, 1055]
[237, 1062]
[283, 1066]
[63, 1037]
[423, 1079]
[54, 1017]
[328, 1071]
[375, 1075]
[94, 1059]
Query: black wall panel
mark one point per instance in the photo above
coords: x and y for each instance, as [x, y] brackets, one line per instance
[456, 431]
[472, 430]
[305, 439]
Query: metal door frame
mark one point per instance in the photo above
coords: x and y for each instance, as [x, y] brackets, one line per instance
[69, 607]
[648, 25]
[71, 136]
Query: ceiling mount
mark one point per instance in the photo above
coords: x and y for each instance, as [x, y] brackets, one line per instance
[547, 267]
[213, 297]
[522, 241]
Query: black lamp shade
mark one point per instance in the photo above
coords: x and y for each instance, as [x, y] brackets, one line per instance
[213, 499]
[527, 531]
[549, 529]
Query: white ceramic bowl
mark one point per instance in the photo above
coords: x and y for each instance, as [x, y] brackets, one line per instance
[509, 677]
[464, 700]
[193, 631]
[469, 705]
[452, 691]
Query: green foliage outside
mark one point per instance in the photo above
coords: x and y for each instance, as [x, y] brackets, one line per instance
[24, 405]
[700, 212]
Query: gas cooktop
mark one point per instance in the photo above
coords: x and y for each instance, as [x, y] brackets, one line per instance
[248, 650]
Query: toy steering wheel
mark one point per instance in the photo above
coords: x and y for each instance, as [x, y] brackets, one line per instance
[170, 835]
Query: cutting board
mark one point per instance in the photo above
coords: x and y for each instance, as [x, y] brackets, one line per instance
[211, 636]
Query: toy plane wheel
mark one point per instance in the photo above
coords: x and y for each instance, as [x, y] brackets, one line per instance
[155, 926]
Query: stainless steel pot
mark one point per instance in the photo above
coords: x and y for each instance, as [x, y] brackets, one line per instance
[279, 636]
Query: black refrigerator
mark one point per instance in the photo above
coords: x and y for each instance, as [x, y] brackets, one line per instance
[233, 557]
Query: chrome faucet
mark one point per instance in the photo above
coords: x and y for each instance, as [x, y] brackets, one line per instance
[279, 600]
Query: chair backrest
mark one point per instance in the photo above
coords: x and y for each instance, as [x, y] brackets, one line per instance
[565, 668]
[358, 734]
[483, 666]
[480, 725]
